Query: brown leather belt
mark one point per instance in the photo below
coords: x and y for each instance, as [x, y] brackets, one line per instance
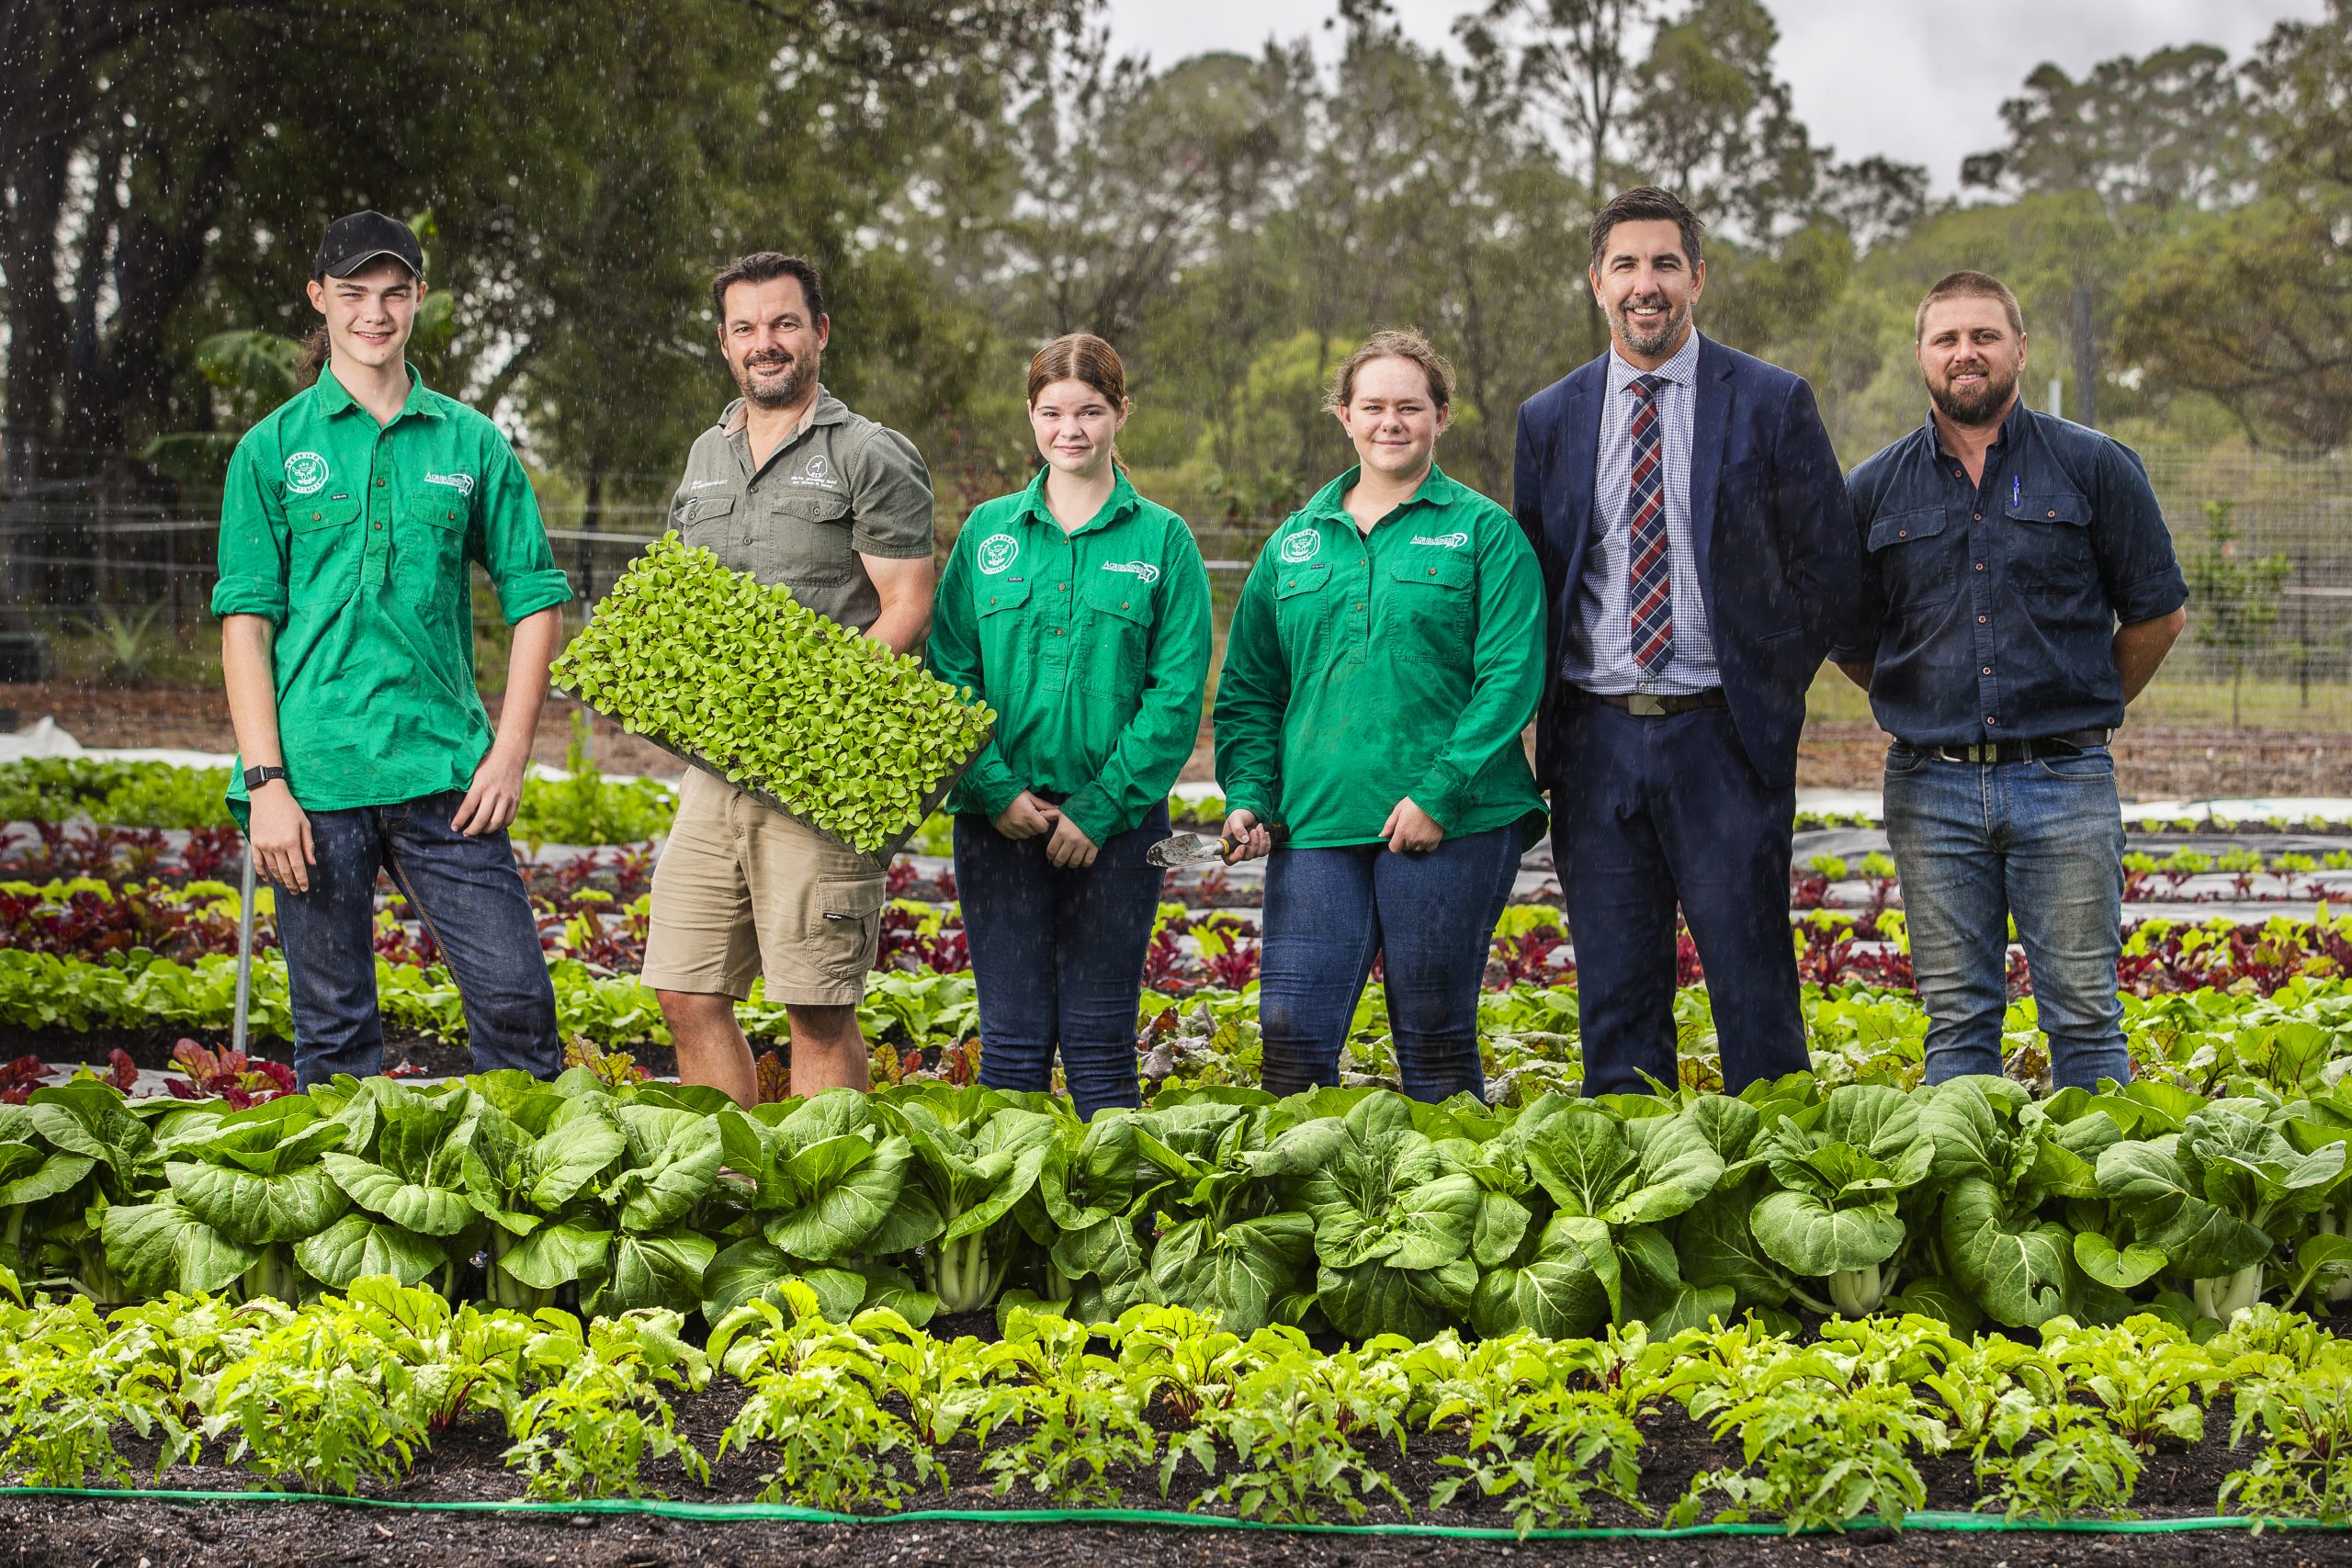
[1652, 705]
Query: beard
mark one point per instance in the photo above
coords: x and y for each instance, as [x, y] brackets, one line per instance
[754, 377]
[1649, 342]
[1983, 405]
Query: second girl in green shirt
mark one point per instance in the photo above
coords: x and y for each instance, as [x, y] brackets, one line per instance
[1386, 651]
[1078, 611]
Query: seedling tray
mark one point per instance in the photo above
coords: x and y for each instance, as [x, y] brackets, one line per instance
[890, 847]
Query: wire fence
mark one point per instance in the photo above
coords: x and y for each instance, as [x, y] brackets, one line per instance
[110, 579]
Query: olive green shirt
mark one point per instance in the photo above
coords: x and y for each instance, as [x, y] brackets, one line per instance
[838, 487]
[1362, 669]
[353, 540]
[1092, 647]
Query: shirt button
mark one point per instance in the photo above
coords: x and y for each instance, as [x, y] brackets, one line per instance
[1980, 517]
[1988, 669]
[1980, 620]
[318, 517]
[379, 527]
[1122, 603]
[379, 484]
[1990, 719]
[2053, 514]
[1432, 571]
[1980, 566]
[1903, 533]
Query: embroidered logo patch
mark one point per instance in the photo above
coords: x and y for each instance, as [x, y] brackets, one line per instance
[1442, 541]
[1143, 569]
[997, 552]
[306, 473]
[462, 483]
[818, 473]
[1301, 547]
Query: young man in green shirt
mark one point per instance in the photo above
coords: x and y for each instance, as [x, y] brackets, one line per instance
[349, 522]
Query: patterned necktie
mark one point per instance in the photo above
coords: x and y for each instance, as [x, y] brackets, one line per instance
[1649, 598]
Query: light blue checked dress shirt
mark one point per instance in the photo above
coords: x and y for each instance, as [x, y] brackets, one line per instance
[1599, 654]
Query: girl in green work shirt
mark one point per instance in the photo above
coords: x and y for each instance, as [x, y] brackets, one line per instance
[1386, 651]
[1079, 611]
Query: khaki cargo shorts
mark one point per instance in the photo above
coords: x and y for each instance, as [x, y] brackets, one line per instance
[743, 890]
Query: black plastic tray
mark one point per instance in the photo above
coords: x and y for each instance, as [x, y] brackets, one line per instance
[890, 847]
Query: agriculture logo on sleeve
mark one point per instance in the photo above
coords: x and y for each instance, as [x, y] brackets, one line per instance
[997, 552]
[306, 473]
[819, 472]
[1143, 569]
[1302, 546]
[1442, 541]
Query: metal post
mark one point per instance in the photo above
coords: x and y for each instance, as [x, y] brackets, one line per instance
[244, 952]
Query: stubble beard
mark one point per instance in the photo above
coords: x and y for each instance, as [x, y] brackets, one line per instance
[781, 394]
[1655, 340]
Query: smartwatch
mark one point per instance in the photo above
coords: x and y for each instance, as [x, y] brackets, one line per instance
[256, 777]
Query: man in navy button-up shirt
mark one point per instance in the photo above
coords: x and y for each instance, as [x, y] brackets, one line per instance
[2027, 591]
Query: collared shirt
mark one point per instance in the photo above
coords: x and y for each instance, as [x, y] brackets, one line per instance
[2000, 599]
[837, 486]
[1364, 669]
[1597, 653]
[1092, 646]
[352, 540]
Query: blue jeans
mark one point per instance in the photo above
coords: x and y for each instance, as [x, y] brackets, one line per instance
[470, 899]
[2041, 842]
[1057, 956]
[1430, 918]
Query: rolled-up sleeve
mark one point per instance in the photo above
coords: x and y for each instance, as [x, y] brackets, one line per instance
[2136, 564]
[254, 541]
[891, 498]
[514, 549]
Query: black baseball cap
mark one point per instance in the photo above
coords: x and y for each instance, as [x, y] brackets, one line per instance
[351, 242]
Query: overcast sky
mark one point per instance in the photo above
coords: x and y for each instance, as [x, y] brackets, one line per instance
[1916, 80]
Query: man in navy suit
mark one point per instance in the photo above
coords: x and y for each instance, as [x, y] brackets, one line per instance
[1697, 556]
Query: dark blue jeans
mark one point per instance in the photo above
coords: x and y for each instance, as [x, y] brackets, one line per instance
[1057, 956]
[2039, 842]
[1661, 812]
[1429, 916]
[466, 893]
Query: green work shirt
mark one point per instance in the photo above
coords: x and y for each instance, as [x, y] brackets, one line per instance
[1092, 647]
[1361, 669]
[352, 540]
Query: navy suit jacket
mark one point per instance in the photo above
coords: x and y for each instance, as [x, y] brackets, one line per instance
[1780, 566]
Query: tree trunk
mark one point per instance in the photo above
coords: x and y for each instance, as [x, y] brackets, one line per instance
[2086, 357]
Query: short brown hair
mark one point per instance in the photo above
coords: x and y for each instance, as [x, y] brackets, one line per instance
[1969, 286]
[1645, 204]
[1395, 343]
[766, 267]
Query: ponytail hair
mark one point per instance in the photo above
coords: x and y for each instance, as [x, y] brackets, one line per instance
[1081, 356]
[311, 356]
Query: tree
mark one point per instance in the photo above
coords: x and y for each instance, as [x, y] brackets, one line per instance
[2237, 597]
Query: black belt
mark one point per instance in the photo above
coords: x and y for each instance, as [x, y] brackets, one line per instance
[2071, 744]
[1651, 705]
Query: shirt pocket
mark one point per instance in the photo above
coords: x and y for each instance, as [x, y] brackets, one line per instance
[1428, 612]
[428, 566]
[2050, 543]
[1303, 612]
[800, 538]
[1118, 632]
[322, 565]
[704, 521]
[1913, 557]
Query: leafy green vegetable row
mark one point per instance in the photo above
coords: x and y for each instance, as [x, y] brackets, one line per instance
[349, 1390]
[1349, 1210]
[850, 736]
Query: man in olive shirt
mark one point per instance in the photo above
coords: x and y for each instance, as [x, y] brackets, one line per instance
[350, 519]
[792, 488]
